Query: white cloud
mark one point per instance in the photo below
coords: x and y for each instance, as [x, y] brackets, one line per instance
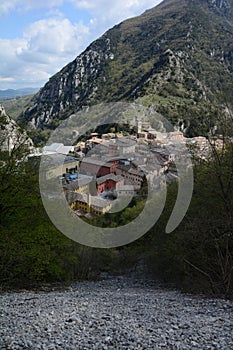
[55, 36]
[24, 5]
[47, 46]
[107, 13]
[84, 4]
[104, 8]
[6, 79]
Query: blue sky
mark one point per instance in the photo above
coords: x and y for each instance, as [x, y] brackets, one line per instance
[38, 38]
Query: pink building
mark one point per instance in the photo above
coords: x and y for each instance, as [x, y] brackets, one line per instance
[108, 182]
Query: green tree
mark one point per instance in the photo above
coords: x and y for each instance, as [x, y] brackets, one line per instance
[198, 255]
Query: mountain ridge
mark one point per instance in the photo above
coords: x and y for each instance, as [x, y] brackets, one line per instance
[14, 93]
[180, 48]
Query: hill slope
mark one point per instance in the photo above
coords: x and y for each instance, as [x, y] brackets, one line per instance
[11, 135]
[16, 106]
[177, 56]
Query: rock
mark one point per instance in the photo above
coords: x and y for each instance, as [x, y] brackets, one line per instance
[11, 135]
[94, 316]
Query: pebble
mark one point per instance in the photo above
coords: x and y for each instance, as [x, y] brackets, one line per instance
[115, 313]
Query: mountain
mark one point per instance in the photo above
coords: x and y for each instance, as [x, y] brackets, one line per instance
[15, 106]
[11, 135]
[12, 93]
[177, 56]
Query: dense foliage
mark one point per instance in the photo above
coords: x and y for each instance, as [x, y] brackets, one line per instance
[198, 255]
[32, 250]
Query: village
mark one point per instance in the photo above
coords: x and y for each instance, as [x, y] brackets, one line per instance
[105, 168]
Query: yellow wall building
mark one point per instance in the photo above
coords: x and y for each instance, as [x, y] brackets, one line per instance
[90, 204]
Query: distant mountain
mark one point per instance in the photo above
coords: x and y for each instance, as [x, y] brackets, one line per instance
[12, 93]
[177, 57]
[16, 105]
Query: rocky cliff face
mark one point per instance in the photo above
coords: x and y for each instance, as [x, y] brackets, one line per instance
[74, 86]
[11, 135]
[179, 55]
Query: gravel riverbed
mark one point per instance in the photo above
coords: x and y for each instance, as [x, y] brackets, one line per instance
[115, 313]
